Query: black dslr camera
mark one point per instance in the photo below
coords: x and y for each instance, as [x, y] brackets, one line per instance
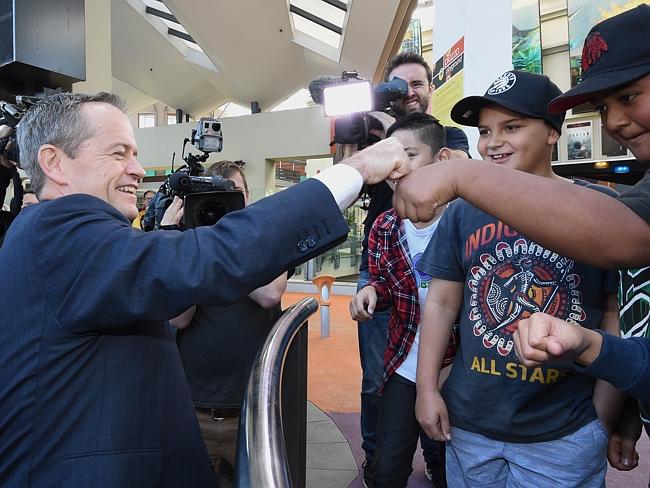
[350, 98]
[206, 198]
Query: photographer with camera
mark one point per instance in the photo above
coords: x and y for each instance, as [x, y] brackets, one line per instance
[10, 115]
[218, 345]
[8, 175]
[372, 334]
[92, 389]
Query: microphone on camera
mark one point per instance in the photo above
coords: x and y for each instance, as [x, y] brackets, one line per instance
[317, 86]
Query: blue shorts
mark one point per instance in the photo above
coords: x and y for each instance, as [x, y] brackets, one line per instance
[577, 460]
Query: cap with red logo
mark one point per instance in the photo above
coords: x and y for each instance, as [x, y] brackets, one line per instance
[616, 52]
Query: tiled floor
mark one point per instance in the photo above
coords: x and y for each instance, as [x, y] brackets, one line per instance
[329, 459]
[334, 452]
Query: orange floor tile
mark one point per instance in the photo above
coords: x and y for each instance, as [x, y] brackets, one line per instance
[334, 371]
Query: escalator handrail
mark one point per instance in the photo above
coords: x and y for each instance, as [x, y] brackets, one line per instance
[261, 455]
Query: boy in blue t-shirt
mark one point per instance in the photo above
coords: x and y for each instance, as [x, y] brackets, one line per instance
[511, 425]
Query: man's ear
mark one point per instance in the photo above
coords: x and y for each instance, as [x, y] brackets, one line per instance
[50, 161]
[443, 154]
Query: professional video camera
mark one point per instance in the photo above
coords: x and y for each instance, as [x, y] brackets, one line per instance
[350, 98]
[206, 198]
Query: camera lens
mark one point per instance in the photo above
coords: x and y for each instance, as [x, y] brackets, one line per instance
[210, 212]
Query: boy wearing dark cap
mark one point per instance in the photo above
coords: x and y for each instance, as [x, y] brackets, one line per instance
[597, 229]
[511, 425]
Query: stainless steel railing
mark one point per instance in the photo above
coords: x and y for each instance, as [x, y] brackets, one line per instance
[261, 456]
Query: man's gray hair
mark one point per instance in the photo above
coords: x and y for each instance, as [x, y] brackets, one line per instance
[56, 120]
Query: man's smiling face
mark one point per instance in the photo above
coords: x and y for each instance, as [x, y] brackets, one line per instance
[105, 165]
[419, 95]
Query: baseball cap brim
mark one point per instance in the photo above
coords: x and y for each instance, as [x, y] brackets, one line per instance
[466, 111]
[595, 85]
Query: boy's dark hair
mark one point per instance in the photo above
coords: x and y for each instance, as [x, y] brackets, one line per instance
[407, 58]
[426, 128]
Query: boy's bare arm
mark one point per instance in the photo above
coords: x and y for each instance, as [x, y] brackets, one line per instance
[608, 400]
[574, 221]
[444, 299]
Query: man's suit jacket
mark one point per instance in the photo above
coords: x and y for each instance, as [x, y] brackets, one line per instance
[92, 391]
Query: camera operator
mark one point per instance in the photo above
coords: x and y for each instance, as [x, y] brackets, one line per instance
[8, 175]
[218, 345]
[92, 390]
[372, 333]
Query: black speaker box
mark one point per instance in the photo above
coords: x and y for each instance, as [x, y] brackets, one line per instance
[42, 45]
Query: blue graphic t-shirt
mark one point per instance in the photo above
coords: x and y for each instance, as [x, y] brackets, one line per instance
[508, 278]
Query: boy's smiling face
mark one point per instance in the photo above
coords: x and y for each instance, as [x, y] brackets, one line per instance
[625, 114]
[418, 152]
[515, 140]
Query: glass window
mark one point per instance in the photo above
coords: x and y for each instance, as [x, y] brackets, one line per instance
[171, 119]
[146, 120]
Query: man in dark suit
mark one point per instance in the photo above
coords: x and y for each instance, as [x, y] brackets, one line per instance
[92, 391]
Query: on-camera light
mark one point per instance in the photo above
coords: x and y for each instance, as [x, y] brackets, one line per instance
[347, 98]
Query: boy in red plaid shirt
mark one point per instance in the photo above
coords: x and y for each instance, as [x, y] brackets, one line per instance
[394, 247]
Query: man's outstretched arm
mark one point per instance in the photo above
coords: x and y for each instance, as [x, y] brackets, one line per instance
[574, 221]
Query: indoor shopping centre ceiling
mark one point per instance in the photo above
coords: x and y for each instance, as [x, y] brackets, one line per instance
[195, 55]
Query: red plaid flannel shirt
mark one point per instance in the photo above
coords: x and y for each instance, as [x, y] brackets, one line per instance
[392, 276]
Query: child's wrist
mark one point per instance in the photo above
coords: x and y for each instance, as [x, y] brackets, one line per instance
[593, 343]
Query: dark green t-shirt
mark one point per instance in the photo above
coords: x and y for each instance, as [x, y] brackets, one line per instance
[219, 347]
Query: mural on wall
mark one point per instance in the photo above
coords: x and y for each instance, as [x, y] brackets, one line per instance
[526, 38]
[412, 42]
[583, 15]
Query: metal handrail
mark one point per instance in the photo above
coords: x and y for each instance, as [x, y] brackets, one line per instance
[261, 454]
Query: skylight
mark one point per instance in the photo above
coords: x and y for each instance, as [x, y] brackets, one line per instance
[319, 25]
[161, 18]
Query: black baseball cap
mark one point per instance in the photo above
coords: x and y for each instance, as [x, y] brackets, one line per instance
[525, 93]
[616, 52]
